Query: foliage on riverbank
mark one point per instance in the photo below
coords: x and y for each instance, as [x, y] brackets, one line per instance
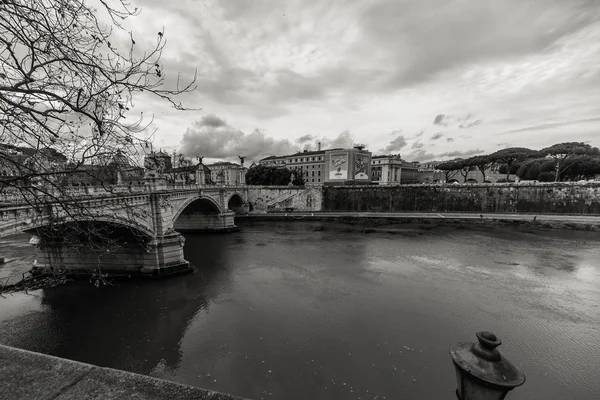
[33, 281]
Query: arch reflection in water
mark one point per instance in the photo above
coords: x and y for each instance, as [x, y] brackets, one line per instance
[134, 326]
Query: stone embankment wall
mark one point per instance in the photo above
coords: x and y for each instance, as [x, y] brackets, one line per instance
[559, 198]
[274, 198]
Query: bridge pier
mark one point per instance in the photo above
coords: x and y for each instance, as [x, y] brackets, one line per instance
[159, 257]
[165, 256]
[206, 222]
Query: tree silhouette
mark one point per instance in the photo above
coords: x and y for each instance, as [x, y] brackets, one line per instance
[450, 168]
[511, 155]
[67, 87]
[265, 175]
[481, 163]
[560, 152]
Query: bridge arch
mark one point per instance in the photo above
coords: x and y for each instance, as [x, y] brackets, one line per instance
[198, 204]
[33, 224]
[235, 203]
[102, 226]
[203, 214]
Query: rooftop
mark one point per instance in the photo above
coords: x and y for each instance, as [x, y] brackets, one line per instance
[30, 151]
[301, 153]
[223, 163]
[307, 153]
[387, 156]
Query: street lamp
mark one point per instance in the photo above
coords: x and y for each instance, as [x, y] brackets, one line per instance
[481, 372]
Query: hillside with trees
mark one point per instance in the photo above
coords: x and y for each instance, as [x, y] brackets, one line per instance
[569, 161]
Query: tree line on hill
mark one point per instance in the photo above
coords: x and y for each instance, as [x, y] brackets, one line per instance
[569, 161]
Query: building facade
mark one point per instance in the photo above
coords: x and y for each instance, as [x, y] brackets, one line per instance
[393, 170]
[316, 166]
[227, 173]
[309, 164]
[348, 166]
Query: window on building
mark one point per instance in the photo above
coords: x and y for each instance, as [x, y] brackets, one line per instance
[318, 173]
[313, 173]
[312, 180]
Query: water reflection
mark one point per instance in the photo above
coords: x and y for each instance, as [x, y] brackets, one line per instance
[308, 310]
[136, 326]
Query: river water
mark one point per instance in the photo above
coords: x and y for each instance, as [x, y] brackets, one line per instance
[306, 310]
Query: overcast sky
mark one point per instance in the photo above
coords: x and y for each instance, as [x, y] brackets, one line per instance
[428, 79]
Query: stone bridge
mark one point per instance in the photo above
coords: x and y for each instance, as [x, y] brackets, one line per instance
[145, 222]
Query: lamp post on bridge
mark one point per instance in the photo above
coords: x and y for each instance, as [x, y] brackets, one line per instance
[481, 372]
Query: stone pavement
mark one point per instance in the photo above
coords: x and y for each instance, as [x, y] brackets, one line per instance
[28, 375]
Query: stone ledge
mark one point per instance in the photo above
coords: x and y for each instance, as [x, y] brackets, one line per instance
[28, 375]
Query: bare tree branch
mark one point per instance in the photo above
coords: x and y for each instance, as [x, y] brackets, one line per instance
[66, 98]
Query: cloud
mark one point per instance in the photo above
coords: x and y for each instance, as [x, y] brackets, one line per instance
[437, 136]
[439, 120]
[417, 145]
[554, 125]
[420, 43]
[469, 124]
[212, 121]
[459, 153]
[395, 145]
[343, 140]
[449, 140]
[212, 137]
[423, 155]
[520, 66]
[305, 139]
[420, 155]
[462, 122]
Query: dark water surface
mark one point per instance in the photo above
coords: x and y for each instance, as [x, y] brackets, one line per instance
[281, 311]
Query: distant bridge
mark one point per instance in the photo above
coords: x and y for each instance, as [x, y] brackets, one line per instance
[153, 211]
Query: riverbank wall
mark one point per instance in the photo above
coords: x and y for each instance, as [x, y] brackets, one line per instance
[276, 198]
[372, 222]
[551, 198]
[29, 375]
[538, 198]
